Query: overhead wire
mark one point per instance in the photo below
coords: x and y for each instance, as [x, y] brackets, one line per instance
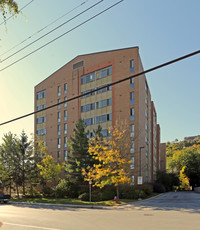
[14, 14]
[43, 28]
[82, 23]
[110, 84]
[51, 31]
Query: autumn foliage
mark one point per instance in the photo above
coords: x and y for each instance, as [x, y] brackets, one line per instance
[112, 158]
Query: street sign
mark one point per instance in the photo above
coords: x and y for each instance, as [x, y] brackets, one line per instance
[139, 180]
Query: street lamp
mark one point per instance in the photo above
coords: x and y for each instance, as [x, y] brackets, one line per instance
[141, 147]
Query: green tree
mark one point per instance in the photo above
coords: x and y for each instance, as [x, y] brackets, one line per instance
[26, 158]
[10, 161]
[79, 156]
[184, 158]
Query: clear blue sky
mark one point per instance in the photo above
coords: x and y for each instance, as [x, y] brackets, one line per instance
[163, 30]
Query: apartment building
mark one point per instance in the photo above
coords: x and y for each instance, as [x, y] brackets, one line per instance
[128, 101]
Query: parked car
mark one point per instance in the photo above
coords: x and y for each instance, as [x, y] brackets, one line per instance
[4, 198]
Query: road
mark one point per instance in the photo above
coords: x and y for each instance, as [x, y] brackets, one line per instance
[180, 210]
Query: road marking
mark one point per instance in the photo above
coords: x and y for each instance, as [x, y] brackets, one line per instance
[30, 226]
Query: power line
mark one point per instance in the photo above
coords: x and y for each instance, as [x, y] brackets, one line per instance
[14, 14]
[44, 28]
[96, 15]
[51, 31]
[110, 84]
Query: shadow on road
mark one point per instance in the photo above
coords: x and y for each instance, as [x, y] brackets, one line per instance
[53, 206]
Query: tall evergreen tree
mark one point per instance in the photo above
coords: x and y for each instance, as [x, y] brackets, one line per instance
[79, 156]
[26, 158]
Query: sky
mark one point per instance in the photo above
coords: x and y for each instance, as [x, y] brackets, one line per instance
[163, 30]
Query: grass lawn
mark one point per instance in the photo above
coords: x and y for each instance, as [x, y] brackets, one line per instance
[73, 201]
[70, 201]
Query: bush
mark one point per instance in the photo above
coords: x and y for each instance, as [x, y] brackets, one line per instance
[62, 189]
[66, 189]
[33, 193]
[147, 188]
[84, 197]
[48, 191]
[107, 195]
[159, 188]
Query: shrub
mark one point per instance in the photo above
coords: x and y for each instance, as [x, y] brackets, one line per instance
[132, 194]
[62, 189]
[48, 191]
[159, 188]
[33, 193]
[147, 188]
[107, 195]
[84, 196]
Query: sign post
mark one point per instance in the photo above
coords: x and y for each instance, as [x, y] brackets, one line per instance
[139, 183]
[90, 191]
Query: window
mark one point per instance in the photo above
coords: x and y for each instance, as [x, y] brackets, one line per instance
[65, 128]
[97, 74]
[41, 94]
[132, 114]
[41, 132]
[132, 65]
[132, 163]
[65, 115]
[65, 88]
[59, 116]
[104, 132]
[65, 104]
[132, 180]
[132, 147]
[104, 103]
[132, 130]
[65, 141]
[59, 100]
[78, 65]
[89, 94]
[59, 91]
[132, 82]
[65, 155]
[58, 155]
[90, 121]
[88, 107]
[104, 89]
[41, 120]
[41, 107]
[59, 129]
[59, 142]
[131, 98]
[104, 118]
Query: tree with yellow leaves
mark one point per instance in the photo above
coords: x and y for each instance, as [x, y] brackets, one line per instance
[49, 169]
[112, 158]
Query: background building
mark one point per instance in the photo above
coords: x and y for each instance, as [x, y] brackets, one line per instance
[130, 101]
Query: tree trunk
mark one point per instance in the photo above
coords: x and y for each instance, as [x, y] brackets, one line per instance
[17, 190]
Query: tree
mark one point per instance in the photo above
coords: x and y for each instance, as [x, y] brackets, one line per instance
[79, 156]
[184, 158]
[10, 161]
[26, 157]
[113, 156]
[50, 170]
[10, 6]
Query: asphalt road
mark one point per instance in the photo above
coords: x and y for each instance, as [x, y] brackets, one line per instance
[180, 210]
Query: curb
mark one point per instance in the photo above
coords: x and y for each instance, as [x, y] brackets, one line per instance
[62, 205]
